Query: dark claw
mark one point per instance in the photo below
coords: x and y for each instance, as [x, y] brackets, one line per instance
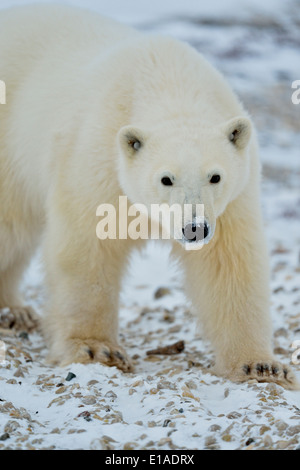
[119, 356]
[90, 353]
[266, 368]
[107, 353]
[259, 369]
[285, 372]
[275, 370]
[247, 369]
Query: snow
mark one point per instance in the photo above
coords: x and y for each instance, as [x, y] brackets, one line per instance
[174, 402]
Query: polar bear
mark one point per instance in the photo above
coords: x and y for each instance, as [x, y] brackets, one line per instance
[95, 110]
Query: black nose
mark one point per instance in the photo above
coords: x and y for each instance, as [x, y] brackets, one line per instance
[195, 232]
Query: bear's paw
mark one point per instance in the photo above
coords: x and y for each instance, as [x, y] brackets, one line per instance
[266, 371]
[19, 318]
[92, 350]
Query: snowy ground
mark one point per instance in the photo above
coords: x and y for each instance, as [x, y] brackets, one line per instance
[173, 402]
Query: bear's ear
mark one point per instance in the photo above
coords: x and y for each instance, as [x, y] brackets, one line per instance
[238, 131]
[131, 140]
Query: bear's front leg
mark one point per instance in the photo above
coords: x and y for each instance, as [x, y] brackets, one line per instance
[228, 283]
[84, 282]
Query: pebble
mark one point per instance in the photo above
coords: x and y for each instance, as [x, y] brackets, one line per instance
[226, 437]
[210, 441]
[161, 292]
[281, 425]
[166, 423]
[70, 376]
[267, 440]
[111, 394]
[281, 445]
[89, 400]
[214, 428]
[151, 424]
[130, 446]
[55, 431]
[11, 426]
[11, 381]
[19, 372]
[249, 441]
[86, 415]
[61, 390]
[164, 441]
[92, 382]
[264, 429]
[234, 415]
[292, 430]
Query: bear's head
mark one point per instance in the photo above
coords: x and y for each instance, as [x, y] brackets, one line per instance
[176, 164]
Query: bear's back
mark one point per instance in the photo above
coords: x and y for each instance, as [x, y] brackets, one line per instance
[31, 32]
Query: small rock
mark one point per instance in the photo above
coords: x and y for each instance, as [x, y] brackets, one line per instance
[281, 425]
[281, 445]
[92, 382]
[170, 349]
[130, 446]
[11, 381]
[210, 441]
[86, 415]
[89, 400]
[23, 335]
[191, 385]
[234, 415]
[227, 438]
[111, 394]
[28, 358]
[264, 429]
[249, 441]
[151, 424]
[11, 426]
[4, 436]
[292, 430]
[166, 422]
[106, 443]
[274, 389]
[55, 431]
[214, 428]
[268, 440]
[70, 376]
[161, 292]
[163, 441]
[281, 332]
[19, 372]
[280, 350]
[61, 390]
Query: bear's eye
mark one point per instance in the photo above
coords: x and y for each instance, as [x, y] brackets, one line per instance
[166, 181]
[135, 144]
[215, 179]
